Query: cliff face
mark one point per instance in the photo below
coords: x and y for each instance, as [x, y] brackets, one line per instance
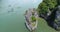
[57, 17]
[58, 13]
[54, 18]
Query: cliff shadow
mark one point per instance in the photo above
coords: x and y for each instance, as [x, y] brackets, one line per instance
[50, 19]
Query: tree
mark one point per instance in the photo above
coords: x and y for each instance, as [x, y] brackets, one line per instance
[47, 5]
[33, 19]
[58, 1]
[43, 8]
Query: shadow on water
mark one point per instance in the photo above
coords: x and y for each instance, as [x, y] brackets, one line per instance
[51, 18]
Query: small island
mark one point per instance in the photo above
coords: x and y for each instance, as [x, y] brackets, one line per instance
[31, 19]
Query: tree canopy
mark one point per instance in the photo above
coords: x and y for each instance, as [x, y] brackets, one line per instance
[47, 5]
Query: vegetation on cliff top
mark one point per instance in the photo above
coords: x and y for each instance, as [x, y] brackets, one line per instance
[47, 5]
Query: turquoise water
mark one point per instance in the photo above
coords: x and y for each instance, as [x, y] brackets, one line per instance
[12, 14]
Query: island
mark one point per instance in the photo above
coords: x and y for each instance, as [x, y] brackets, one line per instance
[31, 19]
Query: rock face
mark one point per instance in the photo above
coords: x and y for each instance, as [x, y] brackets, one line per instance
[58, 13]
[45, 16]
[57, 18]
[53, 20]
[31, 25]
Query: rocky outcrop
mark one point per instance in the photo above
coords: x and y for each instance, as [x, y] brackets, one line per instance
[57, 19]
[31, 25]
[46, 15]
[54, 19]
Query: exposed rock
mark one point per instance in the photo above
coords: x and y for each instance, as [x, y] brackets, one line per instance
[31, 25]
[46, 15]
[53, 19]
[57, 17]
[58, 13]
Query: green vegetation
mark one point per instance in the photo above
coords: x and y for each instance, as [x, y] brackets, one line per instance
[33, 24]
[43, 26]
[46, 5]
[56, 20]
[33, 19]
[42, 8]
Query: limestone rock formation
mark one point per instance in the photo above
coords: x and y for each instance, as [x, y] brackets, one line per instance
[31, 19]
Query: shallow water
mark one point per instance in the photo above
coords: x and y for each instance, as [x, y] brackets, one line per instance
[12, 14]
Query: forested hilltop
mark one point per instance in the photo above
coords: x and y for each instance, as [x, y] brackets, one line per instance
[47, 6]
[50, 11]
